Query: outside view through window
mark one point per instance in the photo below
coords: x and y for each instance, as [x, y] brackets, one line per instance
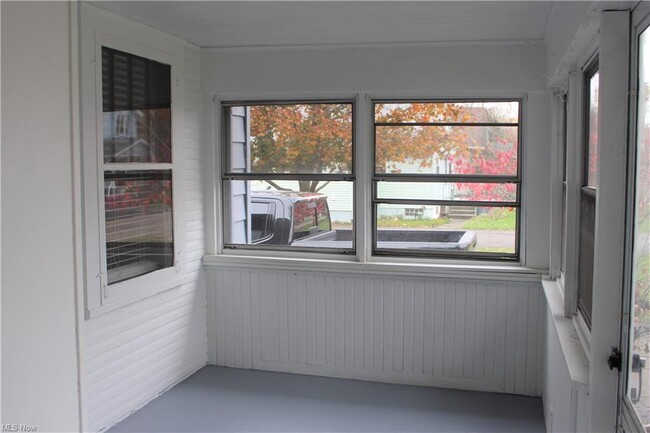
[639, 377]
[446, 176]
[448, 173]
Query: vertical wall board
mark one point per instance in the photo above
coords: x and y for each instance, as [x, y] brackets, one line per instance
[408, 327]
[387, 344]
[511, 338]
[470, 323]
[367, 323]
[428, 330]
[500, 337]
[398, 325]
[449, 333]
[449, 330]
[480, 332]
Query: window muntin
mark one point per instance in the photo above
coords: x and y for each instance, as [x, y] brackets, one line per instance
[136, 120]
[459, 166]
[298, 156]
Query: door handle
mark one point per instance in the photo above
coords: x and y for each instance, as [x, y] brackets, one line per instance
[638, 364]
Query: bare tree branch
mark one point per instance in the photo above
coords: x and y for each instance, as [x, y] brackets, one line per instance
[276, 186]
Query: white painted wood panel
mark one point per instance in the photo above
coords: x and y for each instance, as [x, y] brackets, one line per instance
[449, 333]
[135, 353]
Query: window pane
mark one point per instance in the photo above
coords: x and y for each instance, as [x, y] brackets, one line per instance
[639, 379]
[482, 150]
[136, 105]
[446, 228]
[139, 226]
[289, 213]
[466, 191]
[586, 259]
[592, 157]
[447, 112]
[295, 139]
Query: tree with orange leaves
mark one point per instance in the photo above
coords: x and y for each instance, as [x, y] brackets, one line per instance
[317, 138]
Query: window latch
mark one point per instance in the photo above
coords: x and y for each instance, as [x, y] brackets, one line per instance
[615, 360]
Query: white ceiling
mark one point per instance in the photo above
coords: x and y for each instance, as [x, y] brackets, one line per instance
[218, 24]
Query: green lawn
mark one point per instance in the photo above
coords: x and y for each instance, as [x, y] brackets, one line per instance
[496, 219]
[426, 223]
[494, 250]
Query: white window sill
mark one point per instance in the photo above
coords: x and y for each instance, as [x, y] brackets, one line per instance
[145, 292]
[573, 349]
[454, 271]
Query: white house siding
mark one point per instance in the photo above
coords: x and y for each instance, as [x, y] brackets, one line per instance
[476, 335]
[239, 200]
[135, 353]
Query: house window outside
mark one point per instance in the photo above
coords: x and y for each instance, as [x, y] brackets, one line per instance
[288, 176]
[458, 162]
[588, 193]
[137, 165]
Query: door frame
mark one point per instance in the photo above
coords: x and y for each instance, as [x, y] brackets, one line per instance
[627, 419]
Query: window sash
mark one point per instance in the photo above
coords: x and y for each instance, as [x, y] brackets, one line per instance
[446, 178]
[230, 175]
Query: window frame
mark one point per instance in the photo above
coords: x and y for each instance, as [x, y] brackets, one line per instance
[449, 255]
[223, 176]
[95, 33]
[590, 68]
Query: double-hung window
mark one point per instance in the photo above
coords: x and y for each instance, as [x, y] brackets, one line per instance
[137, 165]
[588, 191]
[288, 176]
[447, 178]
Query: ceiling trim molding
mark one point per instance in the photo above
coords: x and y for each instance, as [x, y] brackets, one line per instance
[357, 45]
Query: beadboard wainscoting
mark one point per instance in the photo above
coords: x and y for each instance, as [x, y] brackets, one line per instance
[455, 333]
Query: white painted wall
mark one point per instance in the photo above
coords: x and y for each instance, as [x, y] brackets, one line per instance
[39, 361]
[137, 352]
[134, 353]
[434, 71]
[426, 331]
[569, 27]
[353, 326]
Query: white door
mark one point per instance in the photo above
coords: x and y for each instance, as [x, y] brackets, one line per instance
[634, 389]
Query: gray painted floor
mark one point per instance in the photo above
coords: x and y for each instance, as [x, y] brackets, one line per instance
[217, 399]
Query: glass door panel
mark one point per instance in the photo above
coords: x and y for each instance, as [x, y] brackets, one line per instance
[638, 375]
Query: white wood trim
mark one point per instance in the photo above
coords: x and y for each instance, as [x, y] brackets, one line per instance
[77, 198]
[557, 158]
[628, 420]
[363, 185]
[101, 29]
[572, 199]
[364, 120]
[574, 352]
[357, 45]
[610, 215]
[403, 269]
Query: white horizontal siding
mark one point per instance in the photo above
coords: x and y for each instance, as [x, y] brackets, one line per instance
[459, 334]
[137, 352]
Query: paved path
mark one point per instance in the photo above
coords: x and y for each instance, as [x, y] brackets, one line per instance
[486, 238]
